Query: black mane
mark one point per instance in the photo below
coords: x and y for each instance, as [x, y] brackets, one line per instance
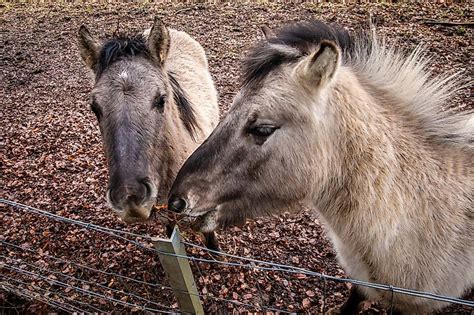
[119, 47]
[116, 48]
[302, 37]
[184, 106]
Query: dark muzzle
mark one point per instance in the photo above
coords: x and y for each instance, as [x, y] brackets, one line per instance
[124, 195]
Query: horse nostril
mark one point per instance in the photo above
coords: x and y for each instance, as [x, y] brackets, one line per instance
[177, 205]
[112, 200]
[149, 189]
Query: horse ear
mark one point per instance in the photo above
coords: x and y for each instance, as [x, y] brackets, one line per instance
[88, 47]
[319, 68]
[159, 41]
[267, 32]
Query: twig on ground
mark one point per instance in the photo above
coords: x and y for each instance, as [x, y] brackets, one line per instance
[448, 23]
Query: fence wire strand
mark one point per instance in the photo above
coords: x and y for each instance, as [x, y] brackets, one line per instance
[84, 291]
[100, 311]
[35, 296]
[90, 283]
[108, 273]
[157, 285]
[271, 266]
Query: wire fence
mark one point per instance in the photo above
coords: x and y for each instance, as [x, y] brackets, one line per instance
[39, 294]
[55, 287]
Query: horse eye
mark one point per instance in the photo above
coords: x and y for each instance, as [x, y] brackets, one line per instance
[262, 132]
[96, 109]
[159, 102]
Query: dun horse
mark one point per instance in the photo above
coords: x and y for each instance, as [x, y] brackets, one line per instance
[355, 129]
[155, 103]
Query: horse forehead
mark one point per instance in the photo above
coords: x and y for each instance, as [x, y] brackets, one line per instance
[259, 95]
[123, 75]
[130, 79]
[133, 70]
[125, 81]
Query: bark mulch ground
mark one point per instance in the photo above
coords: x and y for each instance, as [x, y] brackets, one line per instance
[51, 155]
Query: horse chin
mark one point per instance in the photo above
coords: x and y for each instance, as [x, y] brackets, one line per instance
[133, 220]
[206, 223]
[140, 214]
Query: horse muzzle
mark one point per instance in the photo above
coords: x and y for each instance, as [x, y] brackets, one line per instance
[132, 205]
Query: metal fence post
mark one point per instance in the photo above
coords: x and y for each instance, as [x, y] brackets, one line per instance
[179, 272]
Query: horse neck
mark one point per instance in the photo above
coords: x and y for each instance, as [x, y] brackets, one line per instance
[176, 146]
[384, 168]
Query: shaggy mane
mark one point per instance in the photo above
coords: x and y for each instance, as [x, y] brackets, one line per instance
[413, 90]
[185, 108]
[290, 43]
[405, 80]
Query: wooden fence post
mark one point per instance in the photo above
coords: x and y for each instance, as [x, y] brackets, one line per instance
[179, 272]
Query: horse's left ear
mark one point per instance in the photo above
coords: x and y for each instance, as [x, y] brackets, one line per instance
[159, 41]
[267, 32]
[319, 68]
[88, 47]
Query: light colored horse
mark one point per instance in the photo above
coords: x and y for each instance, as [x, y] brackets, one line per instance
[155, 102]
[353, 128]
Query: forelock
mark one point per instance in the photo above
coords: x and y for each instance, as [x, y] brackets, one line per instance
[118, 48]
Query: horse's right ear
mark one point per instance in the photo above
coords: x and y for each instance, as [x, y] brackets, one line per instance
[267, 32]
[159, 41]
[88, 47]
[319, 68]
